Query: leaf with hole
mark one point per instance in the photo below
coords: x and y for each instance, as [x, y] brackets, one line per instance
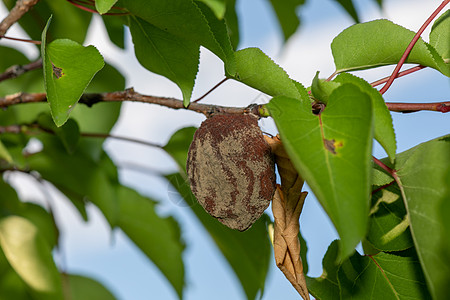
[68, 69]
[332, 152]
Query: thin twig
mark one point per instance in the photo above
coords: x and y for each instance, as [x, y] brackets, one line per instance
[212, 89]
[17, 70]
[443, 107]
[131, 95]
[410, 47]
[21, 7]
[402, 73]
[20, 40]
[121, 138]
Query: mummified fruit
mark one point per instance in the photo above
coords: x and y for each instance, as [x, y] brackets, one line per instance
[231, 169]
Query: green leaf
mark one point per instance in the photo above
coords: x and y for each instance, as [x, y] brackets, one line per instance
[116, 29]
[11, 285]
[440, 36]
[382, 276]
[4, 154]
[159, 238]
[231, 21]
[350, 8]
[326, 286]
[422, 172]
[332, 152]
[443, 288]
[183, 19]
[249, 252]
[286, 15]
[256, 69]
[321, 89]
[31, 257]
[79, 176]
[219, 29]
[103, 6]
[68, 69]
[69, 133]
[166, 54]
[378, 43]
[388, 223]
[69, 21]
[217, 6]
[43, 220]
[384, 129]
[83, 288]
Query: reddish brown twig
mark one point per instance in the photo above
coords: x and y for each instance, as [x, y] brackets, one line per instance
[410, 47]
[443, 107]
[21, 7]
[20, 40]
[212, 89]
[402, 73]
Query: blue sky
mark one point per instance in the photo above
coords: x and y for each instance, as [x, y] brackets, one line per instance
[92, 250]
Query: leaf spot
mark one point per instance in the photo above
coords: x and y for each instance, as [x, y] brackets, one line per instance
[57, 71]
[332, 145]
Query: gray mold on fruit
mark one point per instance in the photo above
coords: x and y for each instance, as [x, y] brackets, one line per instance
[231, 169]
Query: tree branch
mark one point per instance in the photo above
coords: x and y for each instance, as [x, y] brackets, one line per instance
[259, 110]
[17, 70]
[90, 99]
[21, 7]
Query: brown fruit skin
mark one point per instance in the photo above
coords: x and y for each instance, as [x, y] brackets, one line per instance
[231, 169]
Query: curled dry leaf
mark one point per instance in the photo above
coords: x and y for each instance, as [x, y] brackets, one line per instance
[287, 206]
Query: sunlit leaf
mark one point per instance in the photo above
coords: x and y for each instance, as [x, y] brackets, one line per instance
[332, 152]
[159, 238]
[378, 43]
[217, 6]
[256, 69]
[103, 6]
[31, 257]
